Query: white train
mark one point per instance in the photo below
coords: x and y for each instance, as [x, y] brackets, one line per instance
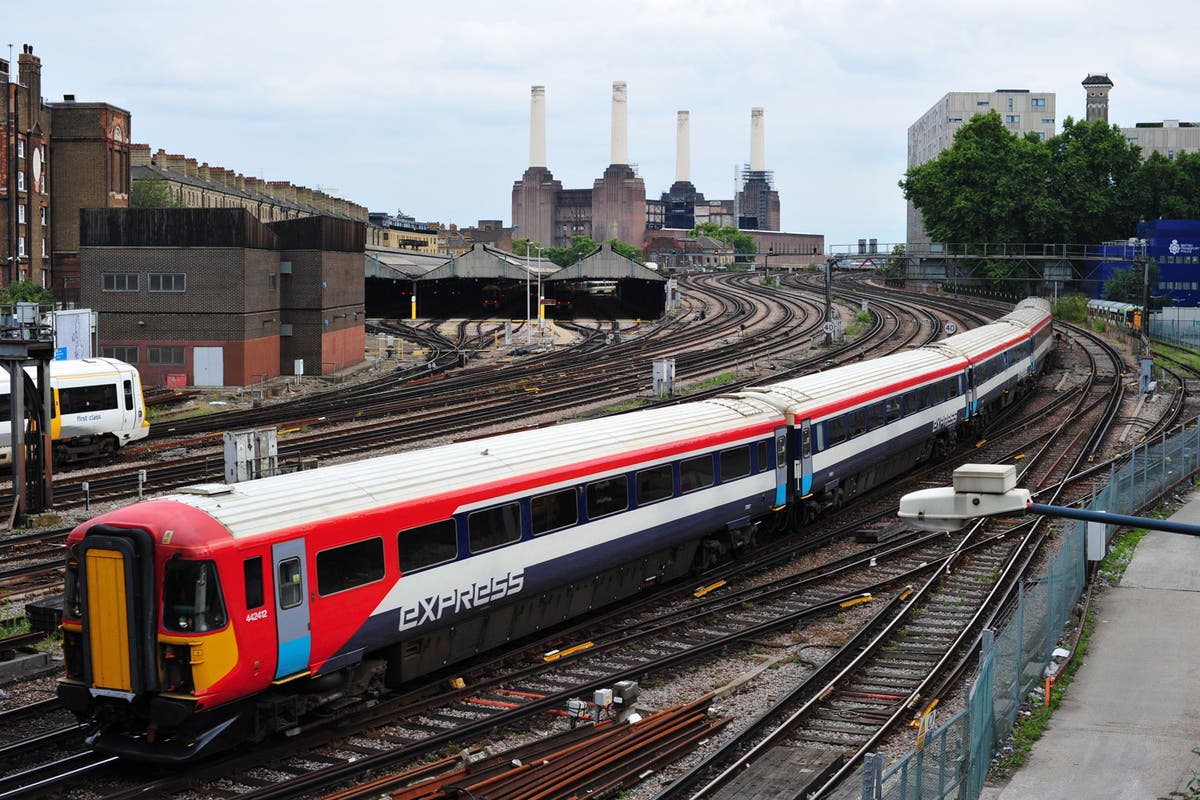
[97, 407]
[221, 614]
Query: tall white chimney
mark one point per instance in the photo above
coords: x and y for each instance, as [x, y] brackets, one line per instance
[683, 148]
[758, 162]
[620, 124]
[537, 127]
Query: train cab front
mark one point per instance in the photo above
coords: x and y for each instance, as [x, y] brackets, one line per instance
[145, 639]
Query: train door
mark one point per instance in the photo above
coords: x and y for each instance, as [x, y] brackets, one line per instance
[969, 392]
[291, 607]
[781, 467]
[131, 410]
[804, 459]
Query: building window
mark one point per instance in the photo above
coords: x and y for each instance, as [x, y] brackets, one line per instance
[20, 148]
[167, 282]
[1047, 120]
[43, 210]
[43, 248]
[20, 246]
[1041, 135]
[1170, 155]
[983, 103]
[160, 356]
[20, 215]
[1010, 104]
[955, 119]
[119, 282]
[1012, 118]
[20, 181]
[270, 280]
[126, 353]
[1038, 102]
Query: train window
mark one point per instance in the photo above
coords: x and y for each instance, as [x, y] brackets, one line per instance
[858, 422]
[735, 463]
[695, 473]
[128, 385]
[192, 597]
[427, 545]
[762, 456]
[951, 388]
[494, 526]
[910, 402]
[892, 408]
[654, 484]
[818, 433]
[554, 511]
[349, 566]
[875, 416]
[83, 399]
[835, 431]
[291, 588]
[252, 571]
[607, 496]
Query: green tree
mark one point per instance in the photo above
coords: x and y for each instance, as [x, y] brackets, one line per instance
[735, 239]
[1127, 286]
[989, 186]
[1092, 169]
[153, 193]
[25, 292]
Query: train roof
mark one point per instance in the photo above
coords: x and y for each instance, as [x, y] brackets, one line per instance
[77, 368]
[846, 383]
[590, 447]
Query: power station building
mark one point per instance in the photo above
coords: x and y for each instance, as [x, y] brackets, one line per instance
[617, 206]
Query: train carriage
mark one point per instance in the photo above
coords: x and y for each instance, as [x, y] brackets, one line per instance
[432, 556]
[221, 614]
[97, 407]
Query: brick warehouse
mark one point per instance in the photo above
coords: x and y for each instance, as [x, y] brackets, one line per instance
[214, 297]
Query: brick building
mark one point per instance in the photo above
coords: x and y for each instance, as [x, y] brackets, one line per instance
[90, 154]
[215, 297]
[25, 126]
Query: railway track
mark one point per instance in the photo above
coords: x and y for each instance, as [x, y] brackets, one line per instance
[462, 732]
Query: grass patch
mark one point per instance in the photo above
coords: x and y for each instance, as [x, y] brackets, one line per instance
[711, 383]
[626, 405]
[1189, 358]
[1120, 554]
[13, 621]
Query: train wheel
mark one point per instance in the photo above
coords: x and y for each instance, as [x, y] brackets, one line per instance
[108, 446]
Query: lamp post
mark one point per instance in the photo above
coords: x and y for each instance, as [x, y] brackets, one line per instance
[528, 316]
[539, 289]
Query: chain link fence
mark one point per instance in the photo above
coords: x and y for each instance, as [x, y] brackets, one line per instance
[954, 759]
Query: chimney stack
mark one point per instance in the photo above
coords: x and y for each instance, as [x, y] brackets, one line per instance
[537, 127]
[620, 124]
[683, 148]
[757, 160]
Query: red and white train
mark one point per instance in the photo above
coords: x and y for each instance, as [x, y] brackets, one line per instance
[222, 614]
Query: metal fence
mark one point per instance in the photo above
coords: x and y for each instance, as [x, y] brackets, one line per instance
[954, 761]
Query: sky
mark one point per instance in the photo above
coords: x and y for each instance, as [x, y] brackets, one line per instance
[425, 107]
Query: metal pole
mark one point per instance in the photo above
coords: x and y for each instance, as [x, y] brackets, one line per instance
[528, 324]
[541, 309]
